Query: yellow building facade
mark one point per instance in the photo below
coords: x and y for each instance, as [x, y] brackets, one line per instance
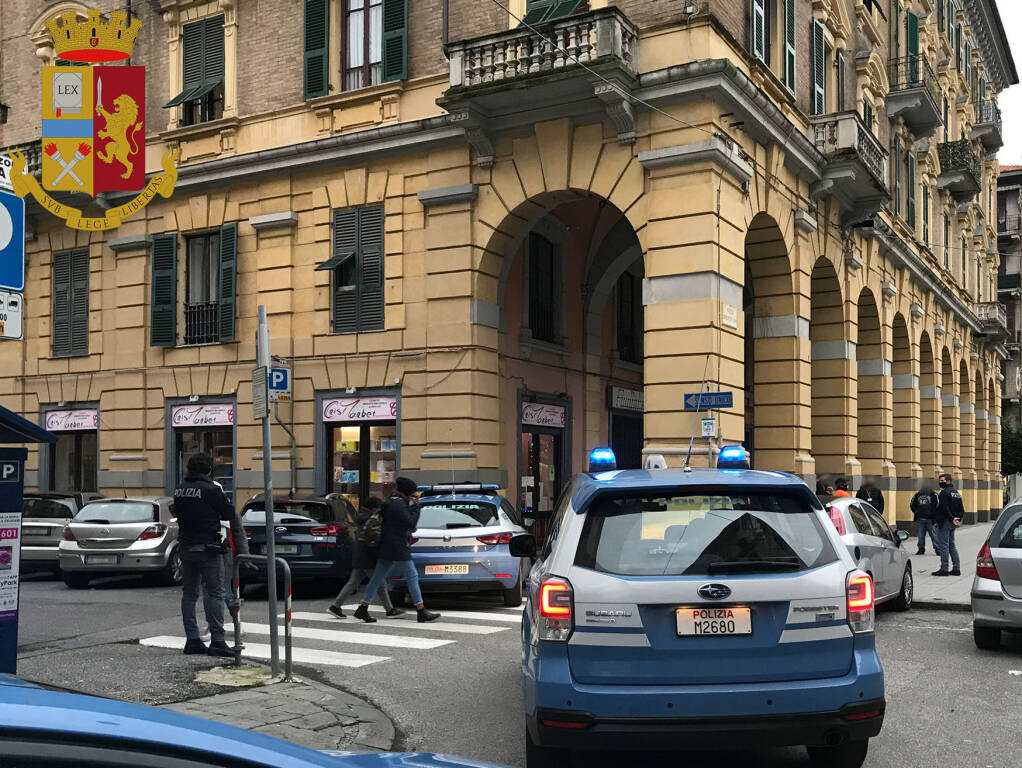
[486, 247]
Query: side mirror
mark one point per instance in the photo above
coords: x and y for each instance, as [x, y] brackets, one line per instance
[903, 536]
[522, 545]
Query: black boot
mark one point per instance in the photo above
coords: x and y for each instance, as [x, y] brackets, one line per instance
[425, 615]
[220, 648]
[336, 611]
[394, 612]
[362, 612]
[194, 646]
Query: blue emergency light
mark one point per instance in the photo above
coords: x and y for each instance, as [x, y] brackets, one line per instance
[602, 459]
[733, 457]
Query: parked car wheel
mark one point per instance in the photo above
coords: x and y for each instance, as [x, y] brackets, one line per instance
[904, 599]
[849, 755]
[172, 575]
[74, 580]
[513, 596]
[987, 638]
[544, 757]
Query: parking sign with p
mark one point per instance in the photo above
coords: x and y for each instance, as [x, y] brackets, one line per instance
[278, 384]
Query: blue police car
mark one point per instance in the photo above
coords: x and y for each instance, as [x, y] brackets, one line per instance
[688, 609]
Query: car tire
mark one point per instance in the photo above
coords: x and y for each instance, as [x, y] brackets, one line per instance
[904, 599]
[172, 575]
[544, 757]
[987, 638]
[513, 596]
[75, 580]
[851, 754]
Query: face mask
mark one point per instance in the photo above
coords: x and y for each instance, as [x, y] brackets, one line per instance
[943, 485]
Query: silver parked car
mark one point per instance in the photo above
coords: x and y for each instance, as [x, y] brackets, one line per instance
[120, 536]
[997, 588]
[876, 549]
[43, 517]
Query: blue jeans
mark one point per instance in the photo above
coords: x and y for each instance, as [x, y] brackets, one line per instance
[403, 569]
[355, 581]
[946, 538]
[201, 565]
[926, 526]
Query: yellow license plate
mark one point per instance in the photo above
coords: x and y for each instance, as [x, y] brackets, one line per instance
[447, 570]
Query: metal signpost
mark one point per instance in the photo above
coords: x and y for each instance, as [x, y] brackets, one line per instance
[12, 476]
[260, 402]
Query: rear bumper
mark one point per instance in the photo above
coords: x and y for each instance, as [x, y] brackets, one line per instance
[859, 721]
[128, 561]
[991, 607]
[487, 570]
[39, 555]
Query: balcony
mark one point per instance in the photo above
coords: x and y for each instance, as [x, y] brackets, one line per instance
[519, 77]
[960, 172]
[202, 323]
[915, 95]
[988, 127]
[1008, 228]
[856, 170]
[993, 320]
[32, 150]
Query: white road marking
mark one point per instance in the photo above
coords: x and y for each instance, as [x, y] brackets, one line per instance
[300, 655]
[437, 626]
[361, 638]
[471, 615]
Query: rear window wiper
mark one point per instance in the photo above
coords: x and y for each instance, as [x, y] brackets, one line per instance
[754, 565]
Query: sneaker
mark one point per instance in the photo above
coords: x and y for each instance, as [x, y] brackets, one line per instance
[220, 648]
[362, 612]
[336, 611]
[425, 615]
[956, 572]
[194, 646]
[940, 573]
[395, 612]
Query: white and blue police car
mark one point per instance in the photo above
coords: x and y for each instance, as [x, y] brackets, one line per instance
[693, 609]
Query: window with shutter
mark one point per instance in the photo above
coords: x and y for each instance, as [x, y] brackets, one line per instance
[163, 307]
[947, 120]
[228, 281]
[317, 48]
[757, 29]
[958, 47]
[357, 269]
[895, 28]
[202, 65]
[910, 183]
[536, 10]
[61, 331]
[968, 62]
[789, 45]
[70, 326]
[395, 40]
[839, 63]
[867, 113]
[926, 216]
[819, 62]
[896, 167]
[542, 289]
[370, 245]
[965, 247]
[202, 288]
[912, 47]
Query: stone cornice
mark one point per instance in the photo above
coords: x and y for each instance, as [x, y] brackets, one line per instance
[988, 30]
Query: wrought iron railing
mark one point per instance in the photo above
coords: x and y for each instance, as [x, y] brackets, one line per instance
[202, 324]
[845, 132]
[988, 112]
[583, 38]
[913, 72]
[33, 152]
[1008, 224]
[959, 156]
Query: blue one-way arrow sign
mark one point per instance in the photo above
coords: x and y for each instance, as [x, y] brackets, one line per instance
[701, 401]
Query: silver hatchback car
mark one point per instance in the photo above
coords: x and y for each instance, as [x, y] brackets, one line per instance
[997, 588]
[876, 549]
[112, 537]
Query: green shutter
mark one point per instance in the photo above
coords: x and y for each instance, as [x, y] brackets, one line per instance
[912, 46]
[757, 29]
[317, 49]
[191, 63]
[840, 62]
[395, 40]
[345, 240]
[819, 62]
[562, 9]
[895, 30]
[958, 47]
[926, 215]
[896, 163]
[61, 331]
[370, 265]
[163, 318]
[213, 52]
[228, 280]
[789, 45]
[80, 302]
[536, 10]
[910, 181]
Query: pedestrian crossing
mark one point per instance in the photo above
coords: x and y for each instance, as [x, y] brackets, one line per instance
[321, 639]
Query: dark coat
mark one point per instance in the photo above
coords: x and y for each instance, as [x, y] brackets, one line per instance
[871, 494]
[399, 522]
[949, 506]
[199, 506]
[362, 556]
[924, 504]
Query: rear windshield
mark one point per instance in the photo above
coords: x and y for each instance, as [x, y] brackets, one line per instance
[47, 508]
[702, 535]
[457, 514]
[319, 513]
[116, 512]
[1008, 534]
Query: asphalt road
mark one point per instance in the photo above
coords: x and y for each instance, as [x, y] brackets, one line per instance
[458, 690]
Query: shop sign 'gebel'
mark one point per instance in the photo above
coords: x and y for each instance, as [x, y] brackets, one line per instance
[93, 123]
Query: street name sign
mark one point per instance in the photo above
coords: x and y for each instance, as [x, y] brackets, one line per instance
[701, 401]
[260, 403]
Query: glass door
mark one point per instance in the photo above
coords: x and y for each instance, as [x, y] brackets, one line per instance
[363, 460]
[540, 481]
[382, 460]
[75, 463]
[346, 465]
[216, 443]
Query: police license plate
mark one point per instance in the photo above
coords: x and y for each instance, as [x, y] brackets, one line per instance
[284, 549]
[447, 570]
[714, 621]
[101, 559]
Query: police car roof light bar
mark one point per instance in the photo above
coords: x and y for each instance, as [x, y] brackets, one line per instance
[732, 457]
[602, 459]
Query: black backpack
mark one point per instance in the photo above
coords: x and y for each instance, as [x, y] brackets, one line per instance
[368, 534]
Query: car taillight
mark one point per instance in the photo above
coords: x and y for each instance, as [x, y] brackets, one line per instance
[497, 538]
[153, 532]
[555, 616]
[838, 519]
[327, 530]
[68, 534]
[985, 567]
[860, 602]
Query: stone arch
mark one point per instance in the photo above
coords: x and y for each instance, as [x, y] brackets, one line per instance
[614, 255]
[950, 417]
[982, 411]
[832, 361]
[873, 371]
[905, 381]
[929, 409]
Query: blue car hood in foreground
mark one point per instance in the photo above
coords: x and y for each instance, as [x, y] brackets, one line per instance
[28, 712]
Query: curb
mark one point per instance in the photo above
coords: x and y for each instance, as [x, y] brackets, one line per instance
[375, 730]
[937, 605]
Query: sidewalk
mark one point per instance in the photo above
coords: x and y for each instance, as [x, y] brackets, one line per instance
[307, 713]
[950, 592]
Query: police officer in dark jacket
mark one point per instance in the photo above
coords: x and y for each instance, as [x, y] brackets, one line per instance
[200, 505]
[924, 507]
[868, 491]
[394, 555]
[950, 512]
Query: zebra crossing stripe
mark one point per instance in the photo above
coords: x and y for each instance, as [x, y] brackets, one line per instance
[261, 651]
[471, 615]
[360, 638]
[434, 626]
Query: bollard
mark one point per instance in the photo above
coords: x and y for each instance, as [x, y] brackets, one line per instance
[288, 667]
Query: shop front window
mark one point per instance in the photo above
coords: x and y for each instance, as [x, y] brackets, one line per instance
[217, 442]
[363, 460]
[75, 462]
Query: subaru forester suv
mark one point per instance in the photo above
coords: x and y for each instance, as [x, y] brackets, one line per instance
[691, 609]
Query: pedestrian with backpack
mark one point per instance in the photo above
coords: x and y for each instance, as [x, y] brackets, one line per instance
[368, 529]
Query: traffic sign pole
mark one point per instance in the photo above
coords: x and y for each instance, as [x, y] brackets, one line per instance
[263, 361]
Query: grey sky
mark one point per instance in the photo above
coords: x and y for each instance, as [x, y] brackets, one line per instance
[1011, 99]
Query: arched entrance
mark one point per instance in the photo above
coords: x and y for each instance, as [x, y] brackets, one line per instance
[833, 357]
[929, 410]
[906, 419]
[967, 447]
[981, 453]
[873, 367]
[950, 417]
